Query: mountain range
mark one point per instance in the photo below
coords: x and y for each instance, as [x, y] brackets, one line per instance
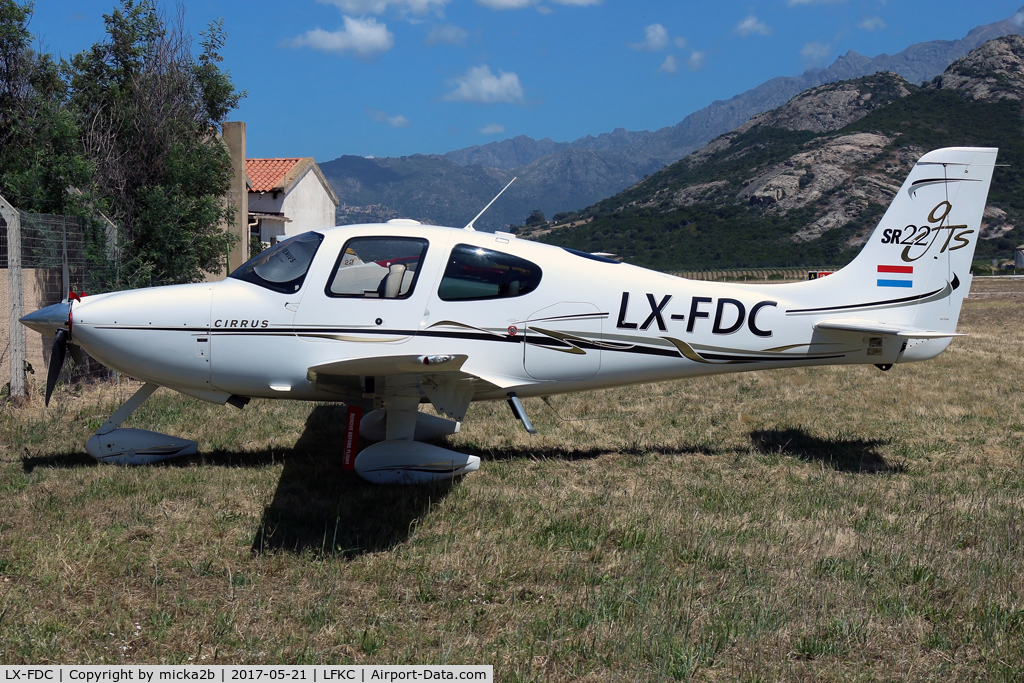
[805, 183]
[558, 177]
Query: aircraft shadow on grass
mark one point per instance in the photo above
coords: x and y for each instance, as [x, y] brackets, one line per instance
[844, 455]
[574, 454]
[319, 507]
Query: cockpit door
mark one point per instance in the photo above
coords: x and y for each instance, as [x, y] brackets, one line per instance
[375, 291]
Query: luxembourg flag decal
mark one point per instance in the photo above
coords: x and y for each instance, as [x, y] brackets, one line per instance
[907, 281]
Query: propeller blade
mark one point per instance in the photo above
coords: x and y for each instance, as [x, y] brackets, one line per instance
[57, 354]
[77, 353]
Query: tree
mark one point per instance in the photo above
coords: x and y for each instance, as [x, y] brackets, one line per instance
[149, 112]
[39, 155]
[535, 218]
[130, 127]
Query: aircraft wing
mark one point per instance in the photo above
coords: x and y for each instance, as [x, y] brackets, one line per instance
[861, 326]
[389, 365]
[442, 377]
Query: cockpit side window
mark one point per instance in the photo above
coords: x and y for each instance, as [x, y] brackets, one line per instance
[282, 267]
[475, 273]
[377, 268]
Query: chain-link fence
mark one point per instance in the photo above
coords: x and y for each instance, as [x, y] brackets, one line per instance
[53, 261]
[754, 275]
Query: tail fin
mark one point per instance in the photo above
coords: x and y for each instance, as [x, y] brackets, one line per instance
[914, 271]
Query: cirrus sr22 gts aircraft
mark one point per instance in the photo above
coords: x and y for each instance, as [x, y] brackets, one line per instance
[399, 314]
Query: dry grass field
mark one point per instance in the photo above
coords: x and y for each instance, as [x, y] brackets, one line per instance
[835, 524]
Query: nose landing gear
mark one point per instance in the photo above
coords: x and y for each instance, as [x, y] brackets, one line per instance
[135, 446]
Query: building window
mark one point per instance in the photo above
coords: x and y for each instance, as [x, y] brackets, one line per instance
[474, 273]
[377, 268]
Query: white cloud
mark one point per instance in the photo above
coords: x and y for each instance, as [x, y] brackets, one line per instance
[447, 34]
[815, 54]
[669, 66]
[364, 37]
[1018, 18]
[520, 4]
[544, 9]
[364, 7]
[481, 86]
[506, 4]
[680, 42]
[696, 61]
[752, 25]
[872, 24]
[655, 38]
[491, 129]
[397, 121]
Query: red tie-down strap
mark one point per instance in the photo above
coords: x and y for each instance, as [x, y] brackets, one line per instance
[348, 457]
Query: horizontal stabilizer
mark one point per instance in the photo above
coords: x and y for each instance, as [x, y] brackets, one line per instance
[390, 365]
[874, 327]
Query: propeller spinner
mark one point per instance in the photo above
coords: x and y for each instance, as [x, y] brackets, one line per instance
[55, 320]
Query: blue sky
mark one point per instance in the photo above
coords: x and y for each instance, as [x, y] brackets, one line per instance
[398, 77]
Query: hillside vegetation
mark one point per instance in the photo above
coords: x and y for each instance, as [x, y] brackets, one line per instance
[807, 182]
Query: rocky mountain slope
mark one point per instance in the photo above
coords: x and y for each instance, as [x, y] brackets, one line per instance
[806, 182]
[564, 176]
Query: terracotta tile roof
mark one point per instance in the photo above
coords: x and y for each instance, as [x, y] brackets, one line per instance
[268, 174]
[281, 175]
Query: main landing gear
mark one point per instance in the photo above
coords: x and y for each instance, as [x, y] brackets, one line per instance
[398, 458]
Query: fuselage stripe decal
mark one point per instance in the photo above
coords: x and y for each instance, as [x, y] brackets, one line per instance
[873, 303]
[532, 340]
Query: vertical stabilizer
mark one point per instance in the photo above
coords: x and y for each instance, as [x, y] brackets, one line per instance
[914, 270]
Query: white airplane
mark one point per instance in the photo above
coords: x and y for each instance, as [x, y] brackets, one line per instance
[393, 315]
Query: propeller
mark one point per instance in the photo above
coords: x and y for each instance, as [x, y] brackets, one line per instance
[60, 348]
[57, 354]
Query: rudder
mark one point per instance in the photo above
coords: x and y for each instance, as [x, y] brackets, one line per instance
[919, 256]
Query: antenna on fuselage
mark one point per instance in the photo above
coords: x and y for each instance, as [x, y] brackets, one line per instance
[469, 226]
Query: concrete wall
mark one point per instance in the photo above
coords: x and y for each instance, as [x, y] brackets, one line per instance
[266, 202]
[41, 288]
[271, 228]
[309, 206]
[233, 137]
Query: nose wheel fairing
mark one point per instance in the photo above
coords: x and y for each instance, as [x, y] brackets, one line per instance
[135, 446]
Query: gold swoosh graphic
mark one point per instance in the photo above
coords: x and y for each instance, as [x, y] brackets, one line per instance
[686, 350]
[452, 323]
[777, 349]
[562, 336]
[351, 338]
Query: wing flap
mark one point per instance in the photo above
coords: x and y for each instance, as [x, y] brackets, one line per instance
[389, 365]
[861, 326]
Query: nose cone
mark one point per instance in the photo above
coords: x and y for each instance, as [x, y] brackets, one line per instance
[48, 320]
[150, 334]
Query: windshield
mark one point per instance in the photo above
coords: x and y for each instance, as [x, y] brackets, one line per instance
[283, 267]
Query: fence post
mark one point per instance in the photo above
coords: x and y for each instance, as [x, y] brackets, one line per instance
[14, 294]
